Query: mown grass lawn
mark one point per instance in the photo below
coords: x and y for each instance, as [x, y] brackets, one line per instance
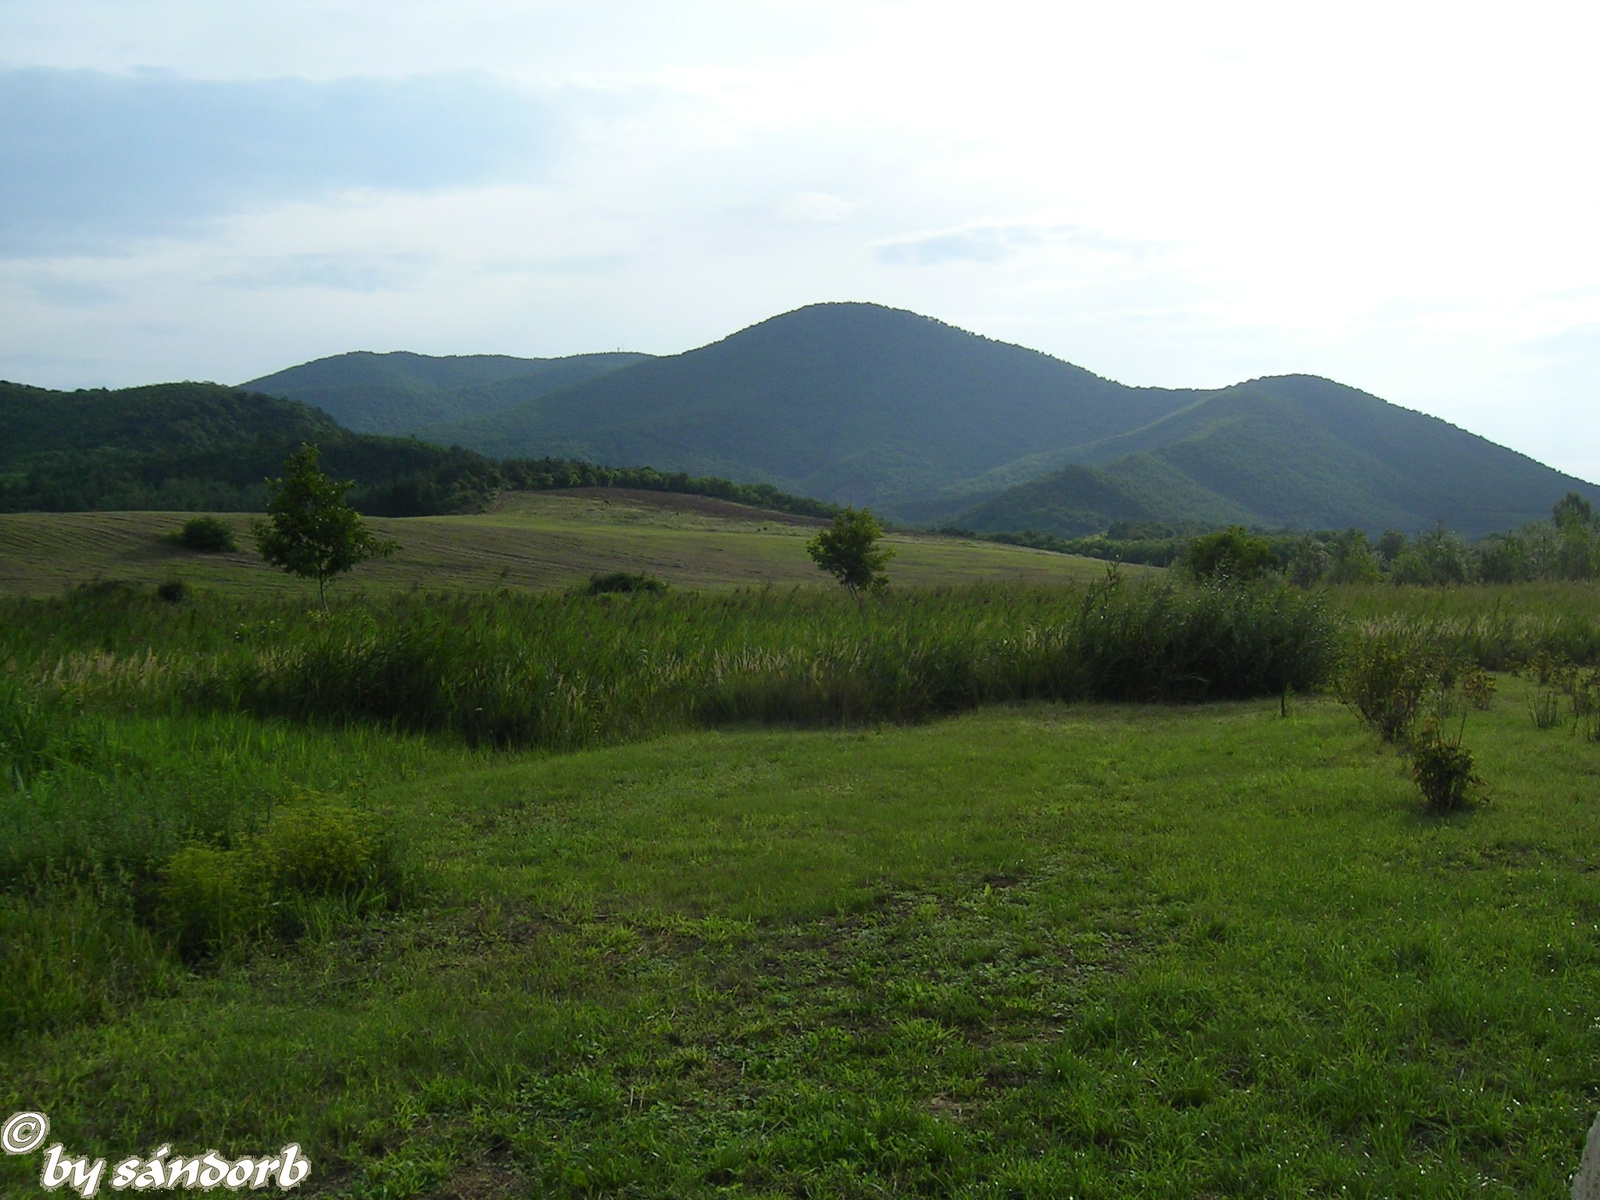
[1035, 952]
[535, 541]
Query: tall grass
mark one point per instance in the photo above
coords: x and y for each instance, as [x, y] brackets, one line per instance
[1500, 627]
[562, 671]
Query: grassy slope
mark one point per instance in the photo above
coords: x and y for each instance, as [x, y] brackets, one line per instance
[529, 540]
[1036, 953]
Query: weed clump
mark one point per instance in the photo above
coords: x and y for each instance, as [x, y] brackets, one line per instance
[1391, 682]
[1442, 770]
[313, 861]
[623, 581]
[1384, 680]
[205, 535]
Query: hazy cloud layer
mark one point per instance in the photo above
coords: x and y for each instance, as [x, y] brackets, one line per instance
[1396, 196]
[89, 160]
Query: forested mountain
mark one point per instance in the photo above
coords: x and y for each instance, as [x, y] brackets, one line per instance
[1293, 452]
[400, 392]
[862, 404]
[200, 446]
[853, 402]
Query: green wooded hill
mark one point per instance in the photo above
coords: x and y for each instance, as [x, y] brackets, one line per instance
[853, 402]
[203, 446]
[1291, 452]
[863, 404]
[400, 392]
[196, 446]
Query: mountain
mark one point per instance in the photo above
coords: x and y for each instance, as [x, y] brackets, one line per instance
[1288, 452]
[196, 446]
[850, 403]
[853, 402]
[400, 392]
[857, 403]
[200, 446]
[172, 418]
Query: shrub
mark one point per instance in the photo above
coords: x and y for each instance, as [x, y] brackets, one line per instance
[312, 850]
[623, 581]
[309, 852]
[208, 900]
[1234, 555]
[1443, 772]
[172, 590]
[207, 535]
[1384, 680]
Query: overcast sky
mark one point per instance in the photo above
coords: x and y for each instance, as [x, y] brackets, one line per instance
[1404, 197]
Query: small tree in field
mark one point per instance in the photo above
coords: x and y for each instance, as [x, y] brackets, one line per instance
[310, 531]
[849, 551]
[1233, 555]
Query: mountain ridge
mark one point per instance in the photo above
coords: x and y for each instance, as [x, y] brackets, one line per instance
[397, 391]
[928, 423]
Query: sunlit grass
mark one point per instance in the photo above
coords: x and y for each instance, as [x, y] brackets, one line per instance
[1042, 951]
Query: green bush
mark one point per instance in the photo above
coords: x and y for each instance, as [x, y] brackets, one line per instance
[1233, 555]
[1443, 772]
[209, 899]
[313, 850]
[623, 581]
[1384, 680]
[207, 535]
[309, 852]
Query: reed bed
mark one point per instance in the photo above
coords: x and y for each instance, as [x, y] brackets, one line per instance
[1500, 627]
[565, 671]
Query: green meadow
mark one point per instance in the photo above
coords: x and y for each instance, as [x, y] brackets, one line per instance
[1016, 887]
[524, 540]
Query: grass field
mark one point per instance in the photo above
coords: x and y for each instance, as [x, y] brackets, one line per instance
[1036, 952]
[744, 936]
[528, 540]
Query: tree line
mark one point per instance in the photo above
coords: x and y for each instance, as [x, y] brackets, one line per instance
[1565, 547]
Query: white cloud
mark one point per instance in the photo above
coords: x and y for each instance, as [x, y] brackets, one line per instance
[1398, 195]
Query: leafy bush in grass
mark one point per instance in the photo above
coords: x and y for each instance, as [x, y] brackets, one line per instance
[310, 855]
[206, 535]
[1442, 771]
[623, 581]
[1384, 680]
[209, 899]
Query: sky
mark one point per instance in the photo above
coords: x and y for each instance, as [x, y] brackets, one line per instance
[1401, 196]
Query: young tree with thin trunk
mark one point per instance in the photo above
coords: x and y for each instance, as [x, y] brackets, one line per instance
[310, 531]
[849, 551]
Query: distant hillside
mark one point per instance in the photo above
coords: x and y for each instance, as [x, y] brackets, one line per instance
[863, 404]
[1288, 452]
[200, 446]
[854, 402]
[173, 418]
[399, 392]
[851, 403]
